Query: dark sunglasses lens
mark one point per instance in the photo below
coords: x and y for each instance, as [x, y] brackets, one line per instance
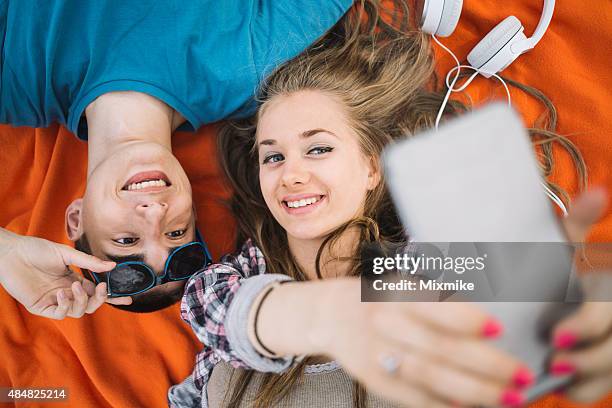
[186, 261]
[130, 279]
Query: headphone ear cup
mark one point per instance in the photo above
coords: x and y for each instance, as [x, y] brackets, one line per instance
[439, 17]
[431, 13]
[450, 17]
[493, 53]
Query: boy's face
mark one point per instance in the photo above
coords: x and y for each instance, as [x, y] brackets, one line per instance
[137, 206]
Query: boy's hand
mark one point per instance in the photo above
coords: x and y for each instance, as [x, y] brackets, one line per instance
[36, 273]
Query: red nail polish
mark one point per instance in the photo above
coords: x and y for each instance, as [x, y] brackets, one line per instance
[565, 340]
[523, 377]
[512, 398]
[560, 368]
[492, 328]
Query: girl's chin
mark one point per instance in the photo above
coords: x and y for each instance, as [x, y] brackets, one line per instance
[308, 233]
[305, 237]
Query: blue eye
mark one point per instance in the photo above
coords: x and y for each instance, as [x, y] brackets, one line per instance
[320, 150]
[273, 158]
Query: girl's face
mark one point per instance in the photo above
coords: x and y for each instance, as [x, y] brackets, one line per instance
[312, 173]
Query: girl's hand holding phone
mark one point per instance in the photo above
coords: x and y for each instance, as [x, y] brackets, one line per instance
[584, 339]
[419, 354]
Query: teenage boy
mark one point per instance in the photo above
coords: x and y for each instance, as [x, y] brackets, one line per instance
[124, 75]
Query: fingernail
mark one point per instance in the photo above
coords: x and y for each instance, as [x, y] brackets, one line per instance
[79, 290]
[61, 295]
[492, 328]
[565, 340]
[523, 377]
[512, 398]
[560, 368]
[101, 289]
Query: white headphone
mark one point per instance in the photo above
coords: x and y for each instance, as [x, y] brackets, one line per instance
[494, 53]
[499, 48]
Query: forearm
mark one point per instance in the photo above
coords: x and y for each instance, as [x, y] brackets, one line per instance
[297, 318]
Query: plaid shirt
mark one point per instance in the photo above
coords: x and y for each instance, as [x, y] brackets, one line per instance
[207, 297]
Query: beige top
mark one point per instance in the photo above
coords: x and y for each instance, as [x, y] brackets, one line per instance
[324, 385]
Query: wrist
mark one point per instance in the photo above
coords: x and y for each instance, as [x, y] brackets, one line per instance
[287, 317]
[335, 297]
[253, 318]
[303, 318]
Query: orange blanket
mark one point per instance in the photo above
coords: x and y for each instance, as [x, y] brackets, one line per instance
[117, 359]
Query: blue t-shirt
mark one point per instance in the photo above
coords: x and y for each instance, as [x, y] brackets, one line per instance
[204, 58]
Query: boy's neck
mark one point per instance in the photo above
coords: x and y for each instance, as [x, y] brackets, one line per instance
[119, 118]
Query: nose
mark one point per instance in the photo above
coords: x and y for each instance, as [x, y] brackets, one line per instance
[156, 256]
[294, 172]
[152, 211]
[151, 214]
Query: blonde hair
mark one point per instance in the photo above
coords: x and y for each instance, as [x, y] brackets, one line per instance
[382, 72]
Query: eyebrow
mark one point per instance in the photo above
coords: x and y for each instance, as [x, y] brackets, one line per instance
[136, 257]
[304, 135]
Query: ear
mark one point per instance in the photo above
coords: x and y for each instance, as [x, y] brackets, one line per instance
[73, 218]
[195, 213]
[374, 173]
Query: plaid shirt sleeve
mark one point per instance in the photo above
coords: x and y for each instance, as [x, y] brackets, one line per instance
[205, 303]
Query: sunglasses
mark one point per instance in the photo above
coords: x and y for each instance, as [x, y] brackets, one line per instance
[132, 278]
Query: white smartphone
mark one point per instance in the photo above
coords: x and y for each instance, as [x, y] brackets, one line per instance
[476, 179]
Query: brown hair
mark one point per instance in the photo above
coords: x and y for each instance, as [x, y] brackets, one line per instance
[382, 71]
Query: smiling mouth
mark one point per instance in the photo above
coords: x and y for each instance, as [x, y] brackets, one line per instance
[303, 202]
[146, 182]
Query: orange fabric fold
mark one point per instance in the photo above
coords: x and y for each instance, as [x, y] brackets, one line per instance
[118, 359]
[111, 358]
